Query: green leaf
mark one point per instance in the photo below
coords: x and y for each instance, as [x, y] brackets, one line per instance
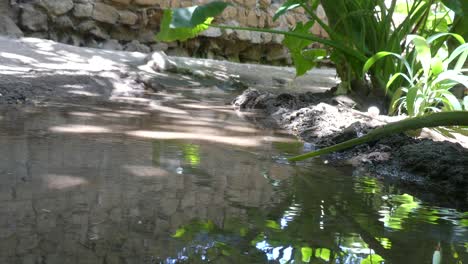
[203, 12]
[306, 253]
[372, 60]
[296, 46]
[314, 54]
[451, 101]
[452, 75]
[394, 77]
[272, 224]
[410, 99]
[373, 259]
[437, 66]
[179, 233]
[168, 34]
[423, 52]
[455, 6]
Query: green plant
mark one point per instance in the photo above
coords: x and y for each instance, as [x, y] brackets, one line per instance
[456, 118]
[428, 72]
[356, 29]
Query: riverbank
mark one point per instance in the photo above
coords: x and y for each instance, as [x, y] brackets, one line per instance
[427, 161]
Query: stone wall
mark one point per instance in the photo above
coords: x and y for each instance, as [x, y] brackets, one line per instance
[131, 25]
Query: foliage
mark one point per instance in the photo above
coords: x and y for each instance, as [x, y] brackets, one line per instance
[430, 120]
[428, 75]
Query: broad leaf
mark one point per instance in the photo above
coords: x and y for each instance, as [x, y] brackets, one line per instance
[168, 34]
[423, 52]
[296, 46]
[451, 101]
[203, 12]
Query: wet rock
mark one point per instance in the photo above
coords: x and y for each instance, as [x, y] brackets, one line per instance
[99, 33]
[86, 26]
[159, 46]
[123, 34]
[105, 13]
[146, 36]
[135, 45]
[159, 62]
[9, 28]
[112, 44]
[83, 10]
[33, 19]
[57, 7]
[276, 52]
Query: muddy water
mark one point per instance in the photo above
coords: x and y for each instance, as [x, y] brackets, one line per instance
[180, 178]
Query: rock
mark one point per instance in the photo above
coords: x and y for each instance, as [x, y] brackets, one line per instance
[146, 36]
[105, 13]
[135, 45]
[9, 28]
[264, 3]
[123, 34]
[63, 22]
[252, 20]
[92, 43]
[127, 17]
[256, 37]
[83, 10]
[159, 62]
[242, 34]
[250, 3]
[99, 32]
[159, 46]
[253, 53]
[57, 7]
[111, 44]
[33, 19]
[124, 2]
[212, 33]
[276, 52]
[146, 2]
[178, 52]
[86, 26]
[230, 12]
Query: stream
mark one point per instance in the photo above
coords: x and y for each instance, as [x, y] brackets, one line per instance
[179, 177]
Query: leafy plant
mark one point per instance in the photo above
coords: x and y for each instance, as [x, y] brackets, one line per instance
[428, 75]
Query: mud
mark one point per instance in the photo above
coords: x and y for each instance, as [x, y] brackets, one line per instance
[323, 120]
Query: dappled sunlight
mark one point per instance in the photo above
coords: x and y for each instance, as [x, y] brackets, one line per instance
[167, 109]
[20, 58]
[60, 182]
[80, 129]
[146, 171]
[228, 140]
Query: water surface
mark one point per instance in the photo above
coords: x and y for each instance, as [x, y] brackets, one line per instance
[179, 177]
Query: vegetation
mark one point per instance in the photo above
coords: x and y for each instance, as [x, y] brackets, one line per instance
[361, 34]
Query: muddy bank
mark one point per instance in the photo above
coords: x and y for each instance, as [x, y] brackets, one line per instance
[324, 119]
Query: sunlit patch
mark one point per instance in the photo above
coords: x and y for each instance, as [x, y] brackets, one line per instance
[59, 182]
[242, 129]
[132, 112]
[84, 93]
[167, 109]
[83, 114]
[18, 57]
[278, 139]
[236, 141]
[146, 171]
[73, 128]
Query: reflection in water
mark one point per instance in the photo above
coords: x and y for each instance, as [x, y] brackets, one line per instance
[79, 185]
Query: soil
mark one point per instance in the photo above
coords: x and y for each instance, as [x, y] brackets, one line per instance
[324, 119]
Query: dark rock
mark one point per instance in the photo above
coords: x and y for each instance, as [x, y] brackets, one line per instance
[33, 19]
[9, 28]
[57, 7]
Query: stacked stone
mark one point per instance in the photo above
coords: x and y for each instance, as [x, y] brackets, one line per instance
[132, 24]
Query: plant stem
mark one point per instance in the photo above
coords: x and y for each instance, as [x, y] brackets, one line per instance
[456, 118]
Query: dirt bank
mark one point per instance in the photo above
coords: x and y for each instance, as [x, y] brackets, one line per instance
[323, 120]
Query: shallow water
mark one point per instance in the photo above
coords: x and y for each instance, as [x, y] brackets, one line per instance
[188, 180]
